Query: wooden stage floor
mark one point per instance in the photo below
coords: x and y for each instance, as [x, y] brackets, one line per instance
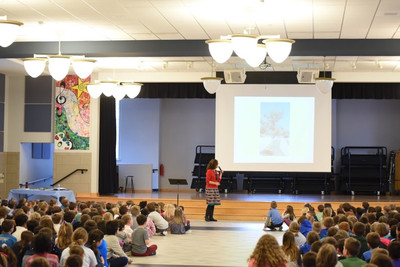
[242, 206]
[304, 198]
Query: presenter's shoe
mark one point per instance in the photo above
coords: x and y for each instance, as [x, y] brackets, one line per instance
[207, 219]
[213, 220]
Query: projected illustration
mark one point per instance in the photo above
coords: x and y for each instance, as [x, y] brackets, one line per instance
[274, 129]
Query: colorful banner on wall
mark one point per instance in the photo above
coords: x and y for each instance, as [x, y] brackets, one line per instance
[72, 118]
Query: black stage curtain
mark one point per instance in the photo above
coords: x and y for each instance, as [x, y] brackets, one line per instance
[174, 90]
[339, 90]
[366, 91]
[108, 179]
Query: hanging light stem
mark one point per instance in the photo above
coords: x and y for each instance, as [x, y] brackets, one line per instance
[59, 47]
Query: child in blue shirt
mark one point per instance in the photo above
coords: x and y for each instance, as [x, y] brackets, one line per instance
[6, 237]
[274, 218]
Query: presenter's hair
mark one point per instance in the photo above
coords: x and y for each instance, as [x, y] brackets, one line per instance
[212, 164]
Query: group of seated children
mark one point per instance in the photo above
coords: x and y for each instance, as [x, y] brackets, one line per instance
[89, 234]
[349, 237]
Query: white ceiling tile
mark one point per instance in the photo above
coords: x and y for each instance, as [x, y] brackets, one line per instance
[327, 35]
[267, 28]
[300, 35]
[170, 36]
[135, 3]
[358, 17]
[299, 16]
[144, 36]
[384, 27]
[343, 66]
[106, 8]
[203, 19]
[163, 3]
[347, 58]
[182, 20]
[328, 15]
[210, 20]
[388, 8]
[152, 19]
[134, 28]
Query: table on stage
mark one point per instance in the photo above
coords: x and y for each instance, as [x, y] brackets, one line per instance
[42, 194]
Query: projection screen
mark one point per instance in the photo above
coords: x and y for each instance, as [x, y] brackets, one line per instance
[273, 128]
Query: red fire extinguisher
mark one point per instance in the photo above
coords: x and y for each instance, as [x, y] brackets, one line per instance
[162, 169]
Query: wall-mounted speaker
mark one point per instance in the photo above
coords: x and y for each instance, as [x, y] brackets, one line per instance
[234, 76]
[307, 75]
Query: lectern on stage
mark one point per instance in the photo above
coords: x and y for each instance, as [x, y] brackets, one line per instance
[177, 182]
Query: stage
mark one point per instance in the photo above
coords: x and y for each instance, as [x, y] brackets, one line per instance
[263, 197]
[242, 206]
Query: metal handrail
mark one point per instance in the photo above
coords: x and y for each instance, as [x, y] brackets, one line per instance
[36, 181]
[68, 175]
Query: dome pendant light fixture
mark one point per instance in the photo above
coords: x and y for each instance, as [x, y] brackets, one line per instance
[114, 88]
[257, 56]
[94, 89]
[247, 47]
[220, 49]
[243, 44]
[211, 84]
[83, 67]
[9, 30]
[279, 49]
[34, 66]
[59, 65]
[324, 84]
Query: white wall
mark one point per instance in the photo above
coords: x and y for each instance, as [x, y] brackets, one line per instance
[185, 123]
[171, 127]
[142, 176]
[140, 133]
[33, 169]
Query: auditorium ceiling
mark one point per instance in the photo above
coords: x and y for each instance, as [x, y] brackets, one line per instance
[185, 20]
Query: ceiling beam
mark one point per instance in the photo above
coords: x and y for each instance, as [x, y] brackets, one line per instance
[197, 48]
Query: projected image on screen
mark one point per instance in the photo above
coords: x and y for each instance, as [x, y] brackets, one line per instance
[274, 129]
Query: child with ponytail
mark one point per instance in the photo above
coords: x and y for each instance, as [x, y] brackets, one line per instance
[80, 238]
[95, 239]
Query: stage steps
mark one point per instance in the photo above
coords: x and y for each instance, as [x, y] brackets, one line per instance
[231, 210]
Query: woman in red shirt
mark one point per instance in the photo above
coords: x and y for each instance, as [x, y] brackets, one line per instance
[213, 179]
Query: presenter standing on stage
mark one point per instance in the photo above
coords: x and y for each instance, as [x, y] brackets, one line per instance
[213, 179]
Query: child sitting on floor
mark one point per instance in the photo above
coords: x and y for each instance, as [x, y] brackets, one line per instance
[274, 219]
[311, 238]
[140, 239]
[288, 215]
[123, 238]
[177, 224]
[160, 223]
